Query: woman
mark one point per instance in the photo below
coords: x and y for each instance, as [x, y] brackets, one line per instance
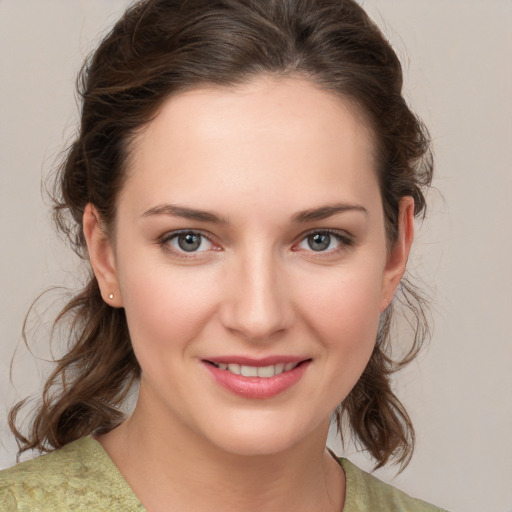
[244, 184]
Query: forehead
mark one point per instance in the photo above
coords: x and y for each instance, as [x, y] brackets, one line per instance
[274, 135]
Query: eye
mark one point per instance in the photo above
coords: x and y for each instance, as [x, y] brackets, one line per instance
[188, 241]
[324, 241]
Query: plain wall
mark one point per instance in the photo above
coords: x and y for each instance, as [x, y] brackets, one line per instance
[456, 56]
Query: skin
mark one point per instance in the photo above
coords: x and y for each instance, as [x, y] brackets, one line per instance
[255, 156]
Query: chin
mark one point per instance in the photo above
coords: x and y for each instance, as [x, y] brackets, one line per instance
[262, 437]
[254, 446]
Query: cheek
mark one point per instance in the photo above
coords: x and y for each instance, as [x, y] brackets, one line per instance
[165, 307]
[344, 314]
[347, 305]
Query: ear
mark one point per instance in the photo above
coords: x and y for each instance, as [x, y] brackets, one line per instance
[102, 257]
[399, 252]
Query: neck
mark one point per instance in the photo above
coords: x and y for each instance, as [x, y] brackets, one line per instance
[165, 463]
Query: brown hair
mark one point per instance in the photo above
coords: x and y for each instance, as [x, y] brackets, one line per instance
[160, 47]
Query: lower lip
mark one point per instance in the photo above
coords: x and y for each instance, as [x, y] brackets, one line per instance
[257, 387]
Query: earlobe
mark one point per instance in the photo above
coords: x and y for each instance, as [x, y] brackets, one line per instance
[101, 255]
[399, 251]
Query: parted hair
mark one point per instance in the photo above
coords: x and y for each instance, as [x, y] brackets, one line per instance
[162, 47]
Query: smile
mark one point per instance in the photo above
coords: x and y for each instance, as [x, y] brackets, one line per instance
[257, 379]
[264, 372]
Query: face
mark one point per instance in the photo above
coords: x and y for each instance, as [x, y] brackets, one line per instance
[250, 257]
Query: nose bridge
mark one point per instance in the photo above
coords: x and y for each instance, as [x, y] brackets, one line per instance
[258, 306]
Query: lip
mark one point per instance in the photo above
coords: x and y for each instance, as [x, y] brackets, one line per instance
[256, 387]
[250, 361]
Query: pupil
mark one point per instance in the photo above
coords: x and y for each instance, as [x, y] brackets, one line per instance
[319, 241]
[189, 242]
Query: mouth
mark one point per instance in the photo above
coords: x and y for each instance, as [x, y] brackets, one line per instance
[257, 378]
[263, 372]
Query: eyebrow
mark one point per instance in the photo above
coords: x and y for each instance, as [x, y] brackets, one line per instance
[313, 214]
[186, 213]
[323, 212]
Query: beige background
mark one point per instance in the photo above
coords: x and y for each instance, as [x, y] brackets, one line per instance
[459, 79]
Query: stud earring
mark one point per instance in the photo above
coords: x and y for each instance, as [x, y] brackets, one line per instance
[111, 296]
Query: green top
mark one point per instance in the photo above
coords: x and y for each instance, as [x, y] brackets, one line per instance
[82, 477]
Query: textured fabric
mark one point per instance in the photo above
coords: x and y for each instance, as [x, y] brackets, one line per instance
[366, 493]
[79, 477]
[82, 477]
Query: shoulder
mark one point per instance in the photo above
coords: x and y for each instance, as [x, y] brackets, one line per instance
[365, 493]
[79, 476]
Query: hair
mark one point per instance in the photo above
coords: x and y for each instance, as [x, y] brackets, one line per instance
[162, 47]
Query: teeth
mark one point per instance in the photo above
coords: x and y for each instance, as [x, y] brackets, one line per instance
[234, 368]
[248, 371]
[266, 371]
[257, 371]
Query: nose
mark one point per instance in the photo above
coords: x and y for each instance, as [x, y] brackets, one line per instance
[257, 304]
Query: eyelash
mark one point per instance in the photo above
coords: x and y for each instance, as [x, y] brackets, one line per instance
[165, 240]
[344, 239]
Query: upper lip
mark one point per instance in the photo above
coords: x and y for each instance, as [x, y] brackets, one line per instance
[258, 362]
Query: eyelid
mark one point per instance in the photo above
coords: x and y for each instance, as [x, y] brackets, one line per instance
[164, 240]
[345, 239]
